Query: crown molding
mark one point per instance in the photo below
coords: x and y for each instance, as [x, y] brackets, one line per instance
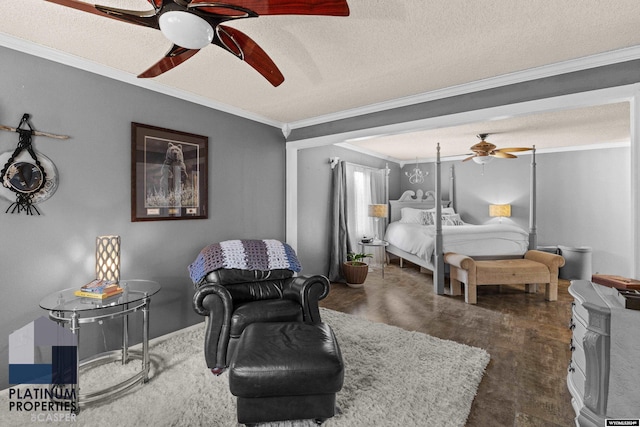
[573, 65]
[400, 162]
[64, 58]
[368, 152]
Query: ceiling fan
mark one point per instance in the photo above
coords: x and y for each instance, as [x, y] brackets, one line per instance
[194, 24]
[484, 151]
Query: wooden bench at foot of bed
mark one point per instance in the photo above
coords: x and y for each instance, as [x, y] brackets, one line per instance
[536, 267]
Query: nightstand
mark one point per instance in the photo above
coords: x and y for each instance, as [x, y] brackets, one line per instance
[377, 244]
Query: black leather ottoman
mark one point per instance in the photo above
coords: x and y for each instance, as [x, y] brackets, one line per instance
[286, 371]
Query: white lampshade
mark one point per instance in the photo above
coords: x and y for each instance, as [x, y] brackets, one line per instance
[186, 29]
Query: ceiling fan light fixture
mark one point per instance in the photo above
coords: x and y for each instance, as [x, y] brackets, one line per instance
[186, 29]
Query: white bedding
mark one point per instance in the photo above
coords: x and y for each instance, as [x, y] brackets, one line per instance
[468, 239]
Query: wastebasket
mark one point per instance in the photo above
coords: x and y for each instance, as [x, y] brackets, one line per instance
[577, 262]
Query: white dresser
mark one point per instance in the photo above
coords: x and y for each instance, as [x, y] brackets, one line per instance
[604, 372]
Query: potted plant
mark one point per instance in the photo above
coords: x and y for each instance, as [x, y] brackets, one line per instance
[355, 270]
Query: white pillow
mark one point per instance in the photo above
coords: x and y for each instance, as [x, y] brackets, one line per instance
[411, 216]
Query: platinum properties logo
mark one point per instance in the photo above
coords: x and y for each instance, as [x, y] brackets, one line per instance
[45, 354]
[46, 404]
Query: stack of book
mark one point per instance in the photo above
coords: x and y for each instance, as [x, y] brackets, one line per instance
[99, 289]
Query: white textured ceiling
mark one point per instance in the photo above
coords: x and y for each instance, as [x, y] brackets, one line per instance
[579, 127]
[385, 50]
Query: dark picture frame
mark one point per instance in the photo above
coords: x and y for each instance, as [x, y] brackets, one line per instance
[169, 171]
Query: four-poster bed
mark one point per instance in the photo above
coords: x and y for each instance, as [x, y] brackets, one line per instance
[426, 245]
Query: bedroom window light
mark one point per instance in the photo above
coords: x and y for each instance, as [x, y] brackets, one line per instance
[364, 186]
[362, 197]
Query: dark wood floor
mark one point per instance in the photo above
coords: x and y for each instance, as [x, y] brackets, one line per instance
[526, 336]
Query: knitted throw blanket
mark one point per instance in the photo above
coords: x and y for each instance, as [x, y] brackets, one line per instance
[244, 255]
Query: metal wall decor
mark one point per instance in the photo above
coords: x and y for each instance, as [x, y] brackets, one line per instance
[29, 175]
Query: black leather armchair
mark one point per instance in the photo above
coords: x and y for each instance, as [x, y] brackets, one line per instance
[232, 299]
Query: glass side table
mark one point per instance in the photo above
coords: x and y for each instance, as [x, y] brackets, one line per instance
[377, 244]
[68, 309]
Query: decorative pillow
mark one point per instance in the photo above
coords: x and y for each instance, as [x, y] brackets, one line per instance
[452, 220]
[429, 218]
[411, 216]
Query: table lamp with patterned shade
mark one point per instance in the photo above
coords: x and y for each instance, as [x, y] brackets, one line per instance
[108, 258]
[376, 212]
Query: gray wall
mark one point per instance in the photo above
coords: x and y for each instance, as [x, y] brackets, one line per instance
[314, 201]
[42, 254]
[588, 204]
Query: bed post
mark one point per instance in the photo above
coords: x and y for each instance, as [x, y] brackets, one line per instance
[452, 188]
[533, 238]
[438, 274]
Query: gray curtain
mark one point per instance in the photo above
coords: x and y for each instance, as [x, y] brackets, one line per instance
[339, 241]
[349, 218]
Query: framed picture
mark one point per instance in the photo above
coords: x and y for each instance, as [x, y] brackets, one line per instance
[168, 174]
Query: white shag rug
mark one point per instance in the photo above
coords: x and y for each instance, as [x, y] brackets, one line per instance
[393, 377]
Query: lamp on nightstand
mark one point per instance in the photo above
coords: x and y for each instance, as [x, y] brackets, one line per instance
[377, 212]
[500, 211]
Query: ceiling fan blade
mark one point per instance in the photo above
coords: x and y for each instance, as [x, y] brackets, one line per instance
[468, 158]
[176, 56]
[508, 150]
[237, 8]
[79, 5]
[157, 4]
[502, 155]
[243, 47]
[145, 18]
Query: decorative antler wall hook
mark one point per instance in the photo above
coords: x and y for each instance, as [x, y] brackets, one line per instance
[22, 177]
